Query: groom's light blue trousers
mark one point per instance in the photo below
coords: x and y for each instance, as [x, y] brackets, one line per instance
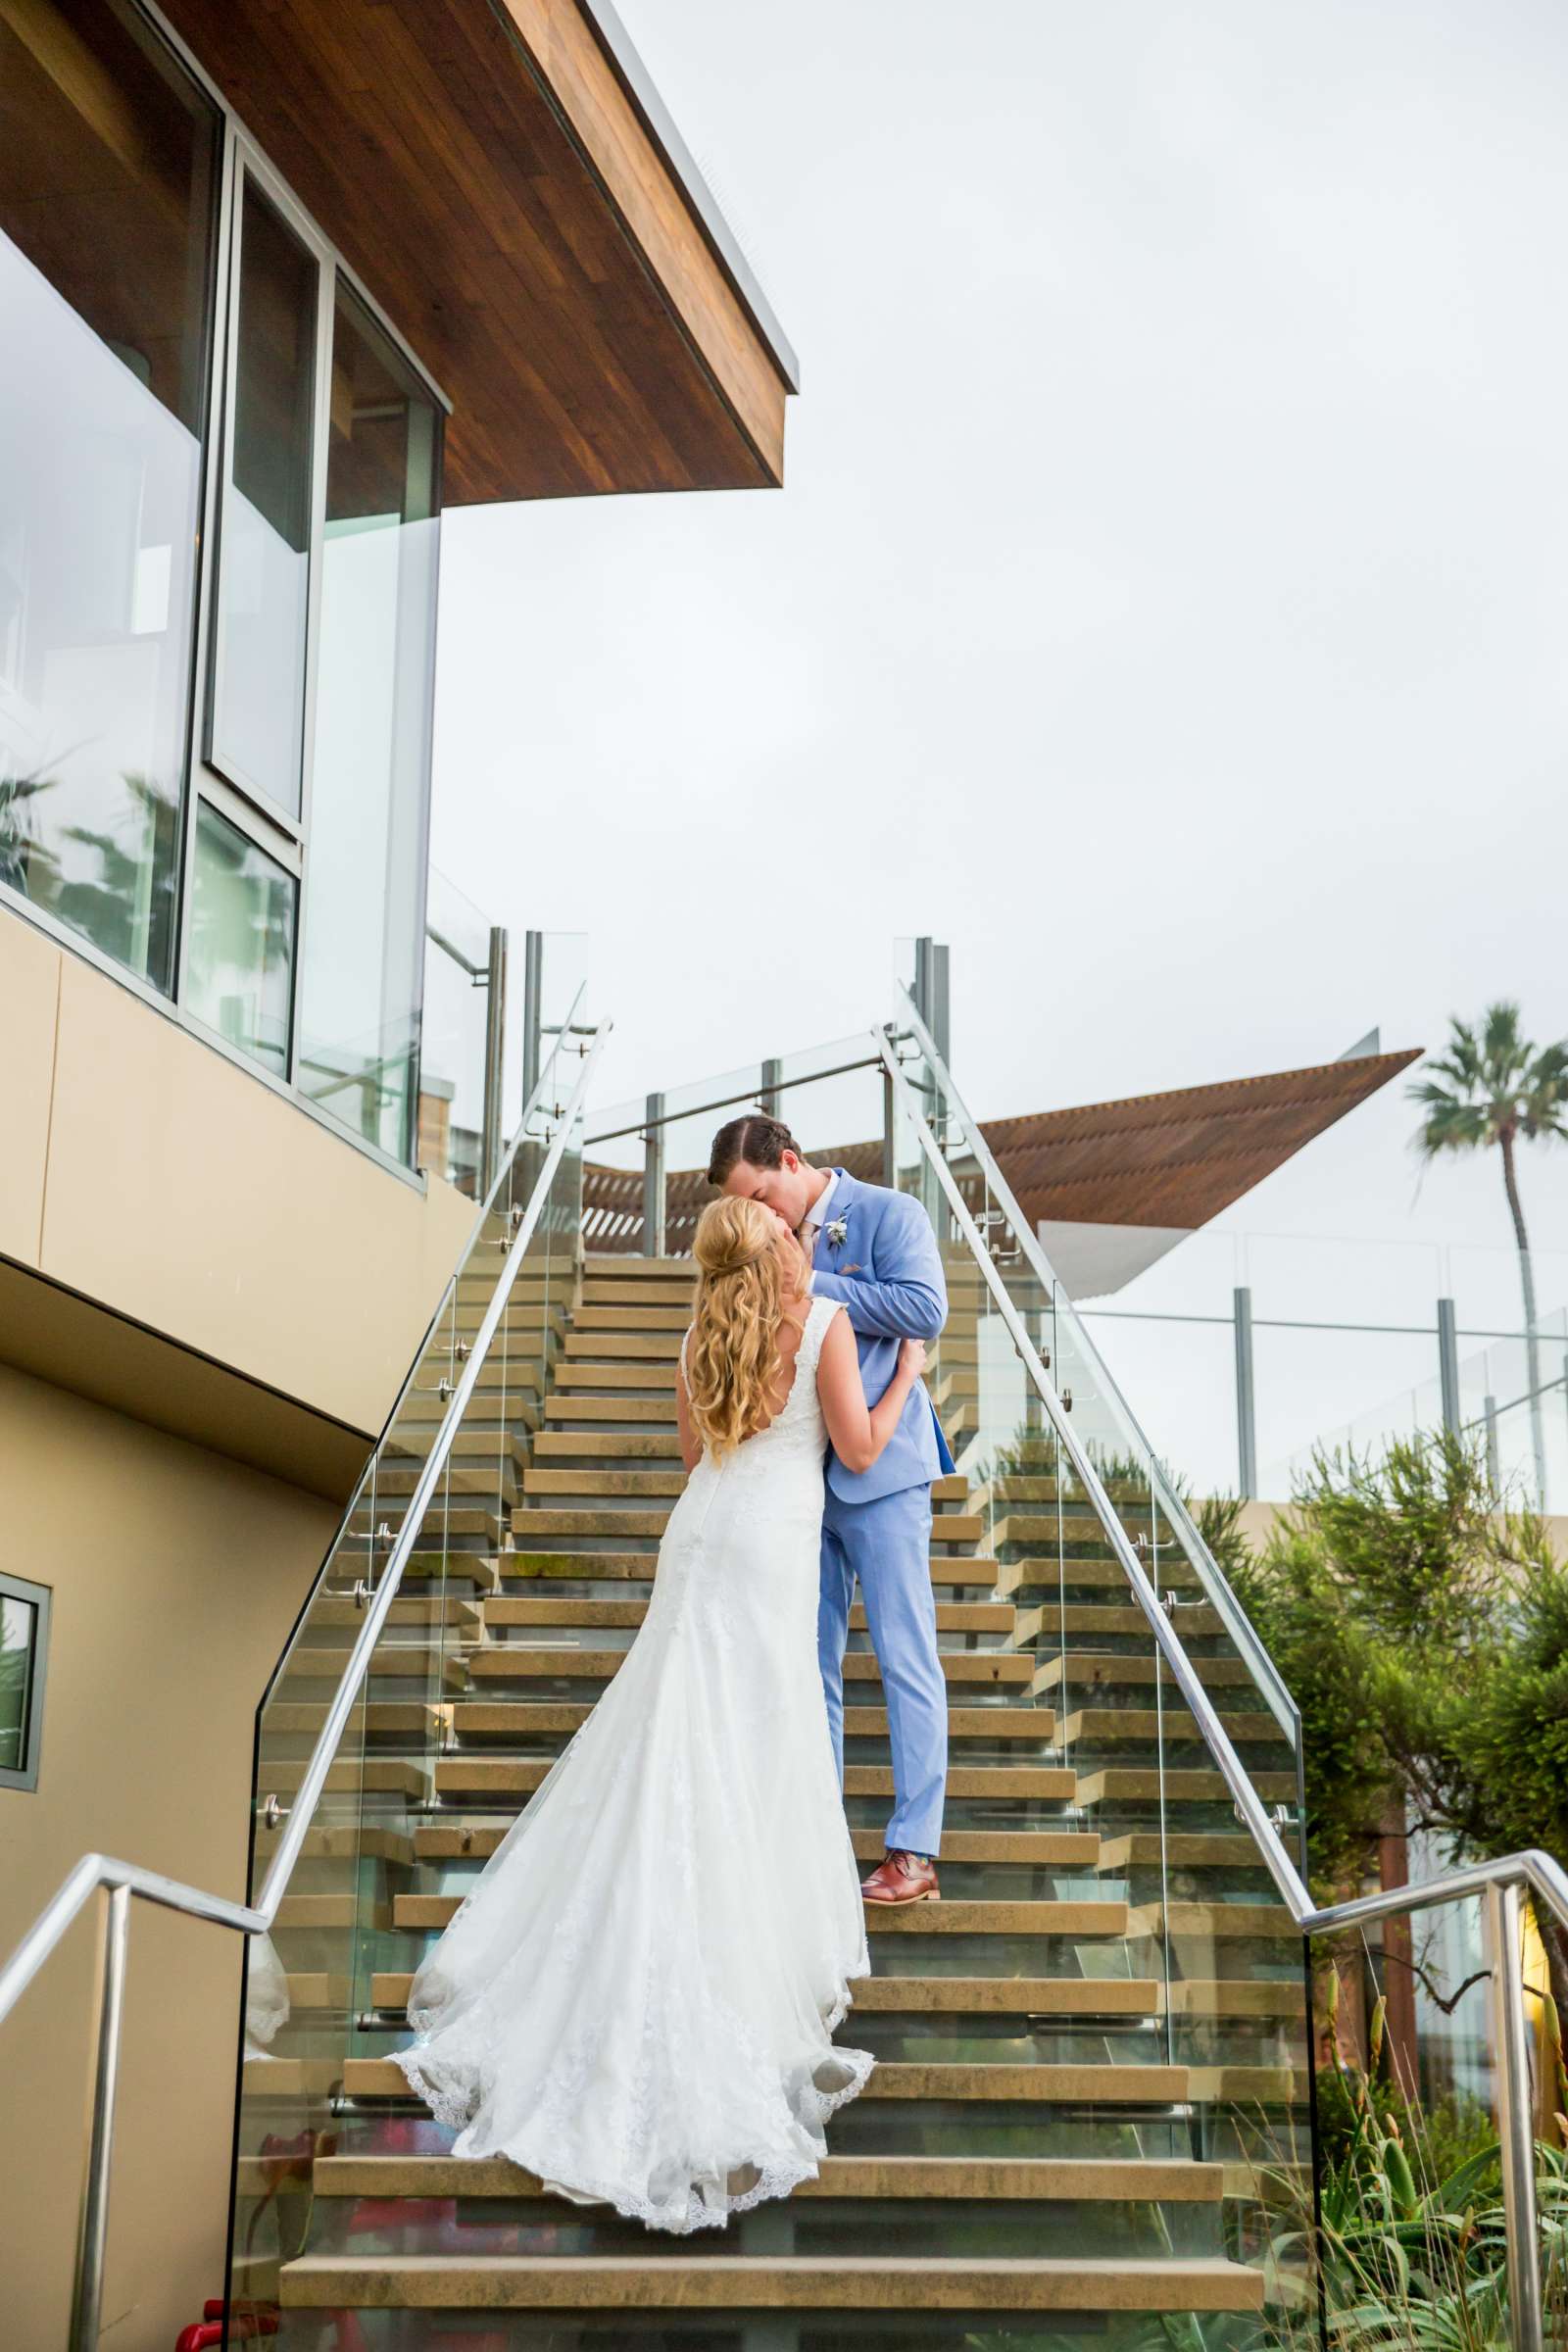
[885, 1546]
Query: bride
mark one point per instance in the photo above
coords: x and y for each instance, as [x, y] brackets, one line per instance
[636, 1999]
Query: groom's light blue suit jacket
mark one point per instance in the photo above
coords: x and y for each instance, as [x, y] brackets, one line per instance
[887, 1272]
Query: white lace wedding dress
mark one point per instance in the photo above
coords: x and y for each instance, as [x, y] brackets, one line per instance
[635, 1999]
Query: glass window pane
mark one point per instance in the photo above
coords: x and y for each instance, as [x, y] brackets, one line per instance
[18, 1631]
[264, 542]
[360, 988]
[108, 172]
[241, 963]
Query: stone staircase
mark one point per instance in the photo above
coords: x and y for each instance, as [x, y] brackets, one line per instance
[1086, 2050]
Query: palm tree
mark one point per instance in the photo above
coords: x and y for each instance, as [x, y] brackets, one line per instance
[1494, 1087]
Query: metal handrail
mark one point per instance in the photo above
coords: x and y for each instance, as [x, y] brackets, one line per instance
[123, 1880]
[1498, 1880]
[698, 1110]
[1210, 1574]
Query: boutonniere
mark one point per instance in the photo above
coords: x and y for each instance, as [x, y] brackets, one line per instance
[838, 1233]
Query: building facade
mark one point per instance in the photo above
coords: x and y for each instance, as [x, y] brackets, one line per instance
[278, 285]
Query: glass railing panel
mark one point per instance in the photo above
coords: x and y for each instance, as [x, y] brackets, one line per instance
[452, 1046]
[1408, 2126]
[345, 1932]
[829, 1096]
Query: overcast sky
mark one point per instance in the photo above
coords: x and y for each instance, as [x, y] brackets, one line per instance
[1167, 604]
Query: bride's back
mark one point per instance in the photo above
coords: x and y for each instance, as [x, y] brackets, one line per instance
[742, 1360]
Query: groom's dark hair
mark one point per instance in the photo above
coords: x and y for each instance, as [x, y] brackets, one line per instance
[760, 1141]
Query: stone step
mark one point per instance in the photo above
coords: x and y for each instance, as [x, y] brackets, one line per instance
[1266, 1997]
[946, 1917]
[1070, 2085]
[600, 1291]
[1103, 1573]
[1217, 1922]
[520, 1661]
[556, 1445]
[502, 1718]
[624, 1347]
[1125, 1784]
[667, 1483]
[533, 1521]
[632, 1318]
[526, 1608]
[917, 2283]
[495, 1778]
[1110, 1620]
[627, 1266]
[1180, 1850]
[573, 1382]
[1094, 1669]
[386, 1717]
[588, 1409]
[1100, 1727]
[1059, 1997]
[596, 1566]
[1032, 1849]
[416, 1609]
[1038, 2179]
[409, 1659]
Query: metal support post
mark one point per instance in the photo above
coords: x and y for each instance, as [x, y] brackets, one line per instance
[890, 1153]
[92, 2237]
[1448, 1364]
[939, 1020]
[921, 990]
[495, 1048]
[1246, 1399]
[653, 1179]
[533, 1011]
[1489, 1409]
[772, 1076]
[1516, 2131]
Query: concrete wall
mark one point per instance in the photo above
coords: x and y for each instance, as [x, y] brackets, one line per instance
[208, 1301]
[142, 1170]
[176, 1575]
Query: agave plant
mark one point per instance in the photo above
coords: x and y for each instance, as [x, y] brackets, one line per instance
[1406, 2262]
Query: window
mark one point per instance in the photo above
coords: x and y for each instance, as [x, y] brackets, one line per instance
[259, 634]
[240, 962]
[216, 681]
[23, 1656]
[364, 954]
[109, 172]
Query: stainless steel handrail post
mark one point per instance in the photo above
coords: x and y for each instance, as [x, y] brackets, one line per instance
[93, 2237]
[655, 1192]
[495, 1059]
[1515, 2115]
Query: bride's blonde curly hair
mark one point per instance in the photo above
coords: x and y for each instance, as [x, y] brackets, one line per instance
[743, 1297]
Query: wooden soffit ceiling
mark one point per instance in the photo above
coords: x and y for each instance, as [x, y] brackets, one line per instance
[1176, 1160]
[500, 174]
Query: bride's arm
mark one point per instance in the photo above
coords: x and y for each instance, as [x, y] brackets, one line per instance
[860, 1435]
[691, 1445]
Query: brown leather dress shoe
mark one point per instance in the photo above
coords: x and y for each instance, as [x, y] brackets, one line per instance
[903, 1879]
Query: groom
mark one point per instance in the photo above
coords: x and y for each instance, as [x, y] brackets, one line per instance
[873, 1251]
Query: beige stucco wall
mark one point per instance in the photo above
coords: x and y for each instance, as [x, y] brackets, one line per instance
[175, 1576]
[144, 1170]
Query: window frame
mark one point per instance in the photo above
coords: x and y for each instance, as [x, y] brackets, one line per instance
[39, 1597]
[281, 837]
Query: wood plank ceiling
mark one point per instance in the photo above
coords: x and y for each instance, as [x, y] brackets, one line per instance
[484, 170]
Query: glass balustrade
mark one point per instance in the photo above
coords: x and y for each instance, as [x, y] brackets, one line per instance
[1410, 2121]
[1206, 1928]
[345, 1938]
